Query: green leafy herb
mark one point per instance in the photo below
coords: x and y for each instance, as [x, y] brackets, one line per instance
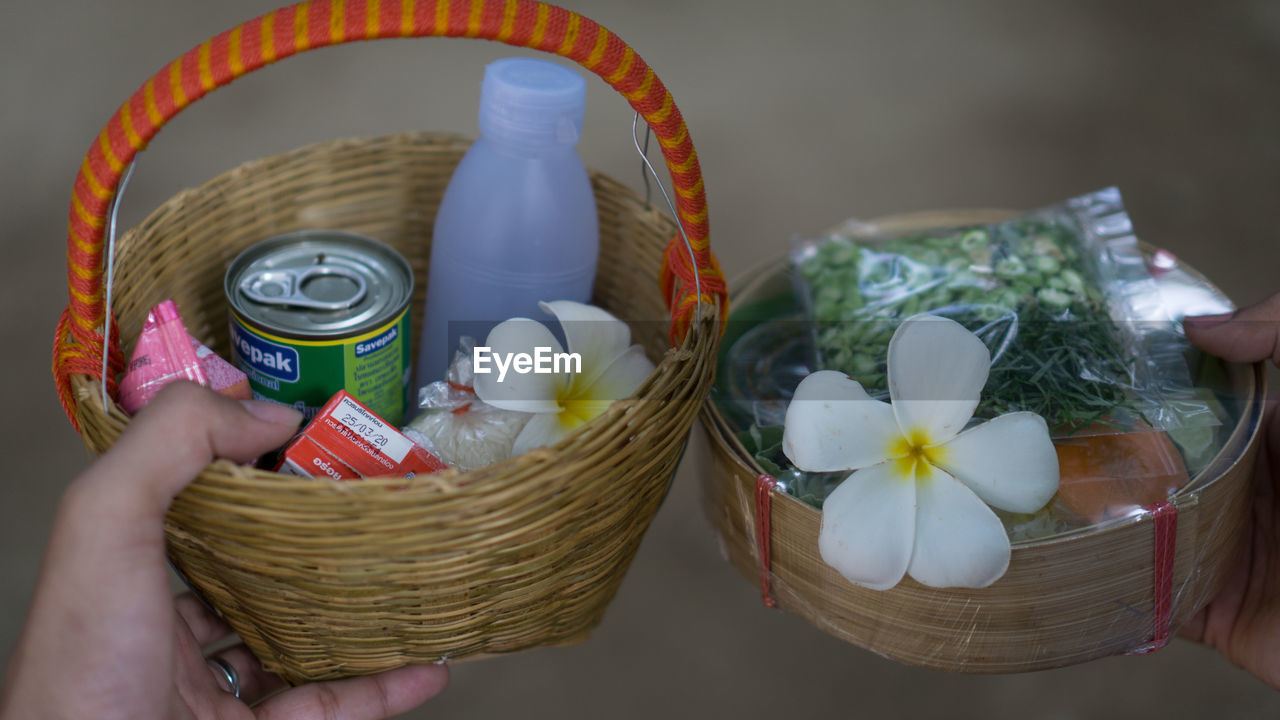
[1020, 286]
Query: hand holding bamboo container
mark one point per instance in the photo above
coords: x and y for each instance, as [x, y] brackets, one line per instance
[447, 567]
[1073, 591]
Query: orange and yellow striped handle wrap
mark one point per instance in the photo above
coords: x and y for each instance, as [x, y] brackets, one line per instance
[319, 23]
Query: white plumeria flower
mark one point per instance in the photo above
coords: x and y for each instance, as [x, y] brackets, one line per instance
[611, 368]
[917, 503]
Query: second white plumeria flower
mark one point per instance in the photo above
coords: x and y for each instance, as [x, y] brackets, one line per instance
[611, 369]
[917, 503]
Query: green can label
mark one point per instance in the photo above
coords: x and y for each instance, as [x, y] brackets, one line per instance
[372, 366]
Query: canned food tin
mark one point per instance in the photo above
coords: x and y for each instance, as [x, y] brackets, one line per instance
[318, 311]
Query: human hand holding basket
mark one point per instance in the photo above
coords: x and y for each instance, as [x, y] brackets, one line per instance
[321, 579]
[1125, 586]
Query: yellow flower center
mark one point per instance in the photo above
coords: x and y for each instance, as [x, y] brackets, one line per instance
[575, 409]
[914, 454]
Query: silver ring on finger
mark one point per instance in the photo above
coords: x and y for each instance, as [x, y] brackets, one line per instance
[225, 671]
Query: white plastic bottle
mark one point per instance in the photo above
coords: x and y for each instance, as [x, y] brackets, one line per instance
[517, 224]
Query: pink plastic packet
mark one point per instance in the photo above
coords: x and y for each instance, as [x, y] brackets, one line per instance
[224, 377]
[164, 354]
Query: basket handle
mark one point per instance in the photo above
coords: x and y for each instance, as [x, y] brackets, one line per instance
[320, 23]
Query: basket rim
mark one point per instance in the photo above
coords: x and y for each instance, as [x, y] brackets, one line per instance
[451, 482]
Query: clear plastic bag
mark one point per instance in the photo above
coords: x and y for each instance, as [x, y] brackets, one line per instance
[1076, 324]
[460, 428]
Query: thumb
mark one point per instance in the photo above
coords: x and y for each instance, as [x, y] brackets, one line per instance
[1247, 335]
[101, 608]
[180, 432]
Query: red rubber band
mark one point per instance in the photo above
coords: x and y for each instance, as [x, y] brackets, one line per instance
[764, 515]
[1164, 519]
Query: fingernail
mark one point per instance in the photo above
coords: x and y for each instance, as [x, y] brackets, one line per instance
[272, 412]
[1208, 321]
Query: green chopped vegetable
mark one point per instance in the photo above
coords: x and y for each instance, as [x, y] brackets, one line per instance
[1066, 359]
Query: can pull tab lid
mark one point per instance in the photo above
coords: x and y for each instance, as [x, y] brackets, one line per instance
[322, 286]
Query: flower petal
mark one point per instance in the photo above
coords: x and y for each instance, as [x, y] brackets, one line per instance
[936, 373]
[620, 379]
[524, 392]
[832, 424]
[868, 525]
[959, 541]
[595, 335]
[1009, 462]
[542, 430]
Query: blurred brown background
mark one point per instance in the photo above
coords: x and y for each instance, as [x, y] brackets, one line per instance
[804, 113]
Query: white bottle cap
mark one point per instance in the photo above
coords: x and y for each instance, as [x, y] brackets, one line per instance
[532, 103]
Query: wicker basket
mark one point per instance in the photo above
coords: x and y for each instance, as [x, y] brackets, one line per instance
[1067, 599]
[324, 579]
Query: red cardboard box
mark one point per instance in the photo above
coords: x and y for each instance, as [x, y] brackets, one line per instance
[346, 440]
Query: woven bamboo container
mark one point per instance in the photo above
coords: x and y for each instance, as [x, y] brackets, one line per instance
[1114, 589]
[324, 579]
